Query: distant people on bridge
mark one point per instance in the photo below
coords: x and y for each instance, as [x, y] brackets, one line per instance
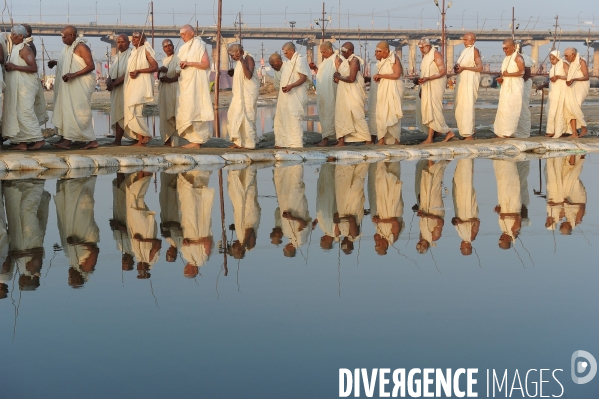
[115, 85]
[468, 69]
[510, 95]
[556, 120]
[578, 88]
[326, 92]
[72, 113]
[167, 96]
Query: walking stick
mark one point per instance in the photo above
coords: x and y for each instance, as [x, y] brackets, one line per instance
[542, 101]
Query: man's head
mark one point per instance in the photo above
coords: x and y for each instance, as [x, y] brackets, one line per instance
[88, 265]
[171, 254]
[347, 245]
[138, 39]
[237, 250]
[326, 242]
[380, 244]
[3, 291]
[554, 57]
[570, 54]
[143, 271]
[288, 50]
[425, 45]
[505, 241]
[422, 246]
[347, 49]
[190, 270]
[167, 47]
[289, 251]
[326, 50]
[28, 283]
[28, 28]
[276, 237]
[236, 51]
[122, 42]
[186, 33]
[275, 61]
[18, 33]
[508, 46]
[466, 248]
[76, 279]
[69, 34]
[469, 39]
[565, 228]
[382, 50]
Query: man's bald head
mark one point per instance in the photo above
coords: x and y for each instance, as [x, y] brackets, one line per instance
[326, 50]
[28, 28]
[275, 61]
[570, 54]
[381, 51]
[469, 39]
[509, 46]
[122, 42]
[326, 45]
[70, 29]
[275, 57]
[509, 42]
[186, 32]
[69, 34]
[235, 47]
[383, 45]
[288, 46]
[349, 46]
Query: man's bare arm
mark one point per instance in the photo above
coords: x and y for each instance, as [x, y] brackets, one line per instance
[27, 55]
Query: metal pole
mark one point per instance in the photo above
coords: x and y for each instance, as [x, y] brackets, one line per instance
[513, 23]
[152, 17]
[443, 31]
[174, 18]
[120, 15]
[40, 10]
[323, 12]
[96, 13]
[222, 218]
[217, 75]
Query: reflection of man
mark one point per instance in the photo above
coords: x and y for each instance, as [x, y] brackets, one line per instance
[466, 219]
[349, 194]
[326, 206]
[431, 208]
[118, 223]
[6, 265]
[170, 221]
[575, 195]
[243, 192]
[510, 203]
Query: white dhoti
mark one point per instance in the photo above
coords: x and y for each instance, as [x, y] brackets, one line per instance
[350, 117]
[167, 99]
[349, 194]
[291, 195]
[291, 106]
[120, 232]
[138, 92]
[243, 192]
[555, 190]
[326, 94]
[466, 93]
[575, 194]
[194, 106]
[141, 221]
[510, 100]
[464, 198]
[388, 103]
[575, 95]
[556, 120]
[385, 198]
[118, 68]
[508, 195]
[431, 96]
[242, 111]
[431, 199]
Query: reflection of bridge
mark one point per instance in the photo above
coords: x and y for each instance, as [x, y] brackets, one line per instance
[310, 37]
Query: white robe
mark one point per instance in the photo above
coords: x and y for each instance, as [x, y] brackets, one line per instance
[510, 99]
[243, 192]
[508, 194]
[431, 198]
[555, 189]
[575, 193]
[326, 93]
[291, 106]
[388, 103]
[349, 194]
[291, 195]
[525, 123]
[194, 106]
[431, 96]
[138, 91]
[167, 99]
[170, 218]
[464, 198]
[575, 95]
[466, 93]
[72, 113]
[20, 123]
[119, 214]
[118, 68]
[326, 205]
[385, 198]
[556, 121]
[350, 117]
[140, 219]
[242, 110]
[276, 80]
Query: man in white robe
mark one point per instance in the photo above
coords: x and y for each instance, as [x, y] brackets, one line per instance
[389, 89]
[243, 192]
[118, 223]
[556, 120]
[20, 123]
[139, 88]
[326, 206]
[40, 100]
[194, 106]
[575, 194]
[115, 85]
[555, 191]
[79, 233]
[326, 92]
[525, 123]
[350, 198]
[510, 201]
[350, 118]
[242, 110]
[386, 203]
[468, 69]
[466, 219]
[432, 81]
[431, 207]
[510, 95]
[170, 221]
[578, 88]
[276, 62]
[75, 83]
[167, 96]
[293, 96]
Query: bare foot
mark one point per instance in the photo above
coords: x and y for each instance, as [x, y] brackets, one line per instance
[397, 142]
[448, 136]
[63, 145]
[91, 145]
[436, 134]
[19, 147]
[276, 146]
[381, 142]
[168, 143]
[234, 146]
[549, 135]
[368, 142]
[340, 143]
[583, 131]
[146, 139]
[427, 141]
[37, 145]
[139, 144]
[191, 145]
[469, 138]
[324, 142]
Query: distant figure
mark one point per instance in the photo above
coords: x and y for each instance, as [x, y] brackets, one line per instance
[578, 88]
[468, 69]
[510, 95]
[389, 92]
[466, 219]
[350, 118]
[115, 85]
[525, 123]
[194, 105]
[326, 92]
[276, 62]
[242, 110]
[293, 96]
[73, 91]
[556, 120]
[429, 105]
[167, 96]
[139, 88]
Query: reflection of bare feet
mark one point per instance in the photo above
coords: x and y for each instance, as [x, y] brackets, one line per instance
[469, 138]
[19, 147]
[448, 136]
[583, 131]
[37, 145]
[91, 145]
[63, 144]
[572, 160]
[191, 145]
[324, 142]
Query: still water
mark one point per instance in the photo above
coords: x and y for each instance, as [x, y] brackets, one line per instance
[261, 283]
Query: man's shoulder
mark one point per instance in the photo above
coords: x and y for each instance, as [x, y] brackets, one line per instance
[82, 47]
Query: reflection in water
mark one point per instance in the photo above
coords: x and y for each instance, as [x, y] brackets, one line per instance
[243, 192]
[509, 195]
[466, 219]
[431, 210]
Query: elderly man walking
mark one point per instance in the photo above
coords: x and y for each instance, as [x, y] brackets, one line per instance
[20, 124]
[167, 88]
[432, 86]
[73, 90]
[115, 85]
[139, 88]
[194, 106]
[556, 121]
[350, 119]
[326, 92]
[512, 87]
[246, 88]
[578, 88]
[468, 69]
[293, 96]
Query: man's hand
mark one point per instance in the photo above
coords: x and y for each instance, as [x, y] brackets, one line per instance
[553, 79]
[164, 79]
[287, 89]
[457, 68]
[52, 63]
[500, 80]
[422, 80]
[377, 78]
[10, 67]
[133, 74]
[312, 66]
[183, 64]
[67, 77]
[162, 69]
[569, 82]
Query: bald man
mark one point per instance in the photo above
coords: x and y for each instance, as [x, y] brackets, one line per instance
[512, 87]
[167, 88]
[73, 90]
[246, 88]
[350, 119]
[326, 92]
[293, 96]
[276, 62]
[578, 84]
[114, 84]
[194, 106]
[468, 69]
[389, 92]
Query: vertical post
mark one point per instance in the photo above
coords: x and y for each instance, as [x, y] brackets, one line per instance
[43, 61]
[152, 16]
[240, 42]
[96, 13]
[217, 75]
[40, 10]
[443, 31]
[513, 23]
[222, 218]
[323, 12]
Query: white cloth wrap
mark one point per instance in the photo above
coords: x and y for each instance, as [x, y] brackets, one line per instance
[576, 94]
[384, 196]
[466, 93]
[388, 102]
[138, 91]
[118, 68]
[556, 120]
[243, 191]
[464, 198]
[167, 99]
[350, 117]
[326, 94]
[510, 99]
[431, 95]
[242, 110]
[291, 195]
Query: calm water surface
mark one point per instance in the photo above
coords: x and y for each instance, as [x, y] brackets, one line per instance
[136, 285]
